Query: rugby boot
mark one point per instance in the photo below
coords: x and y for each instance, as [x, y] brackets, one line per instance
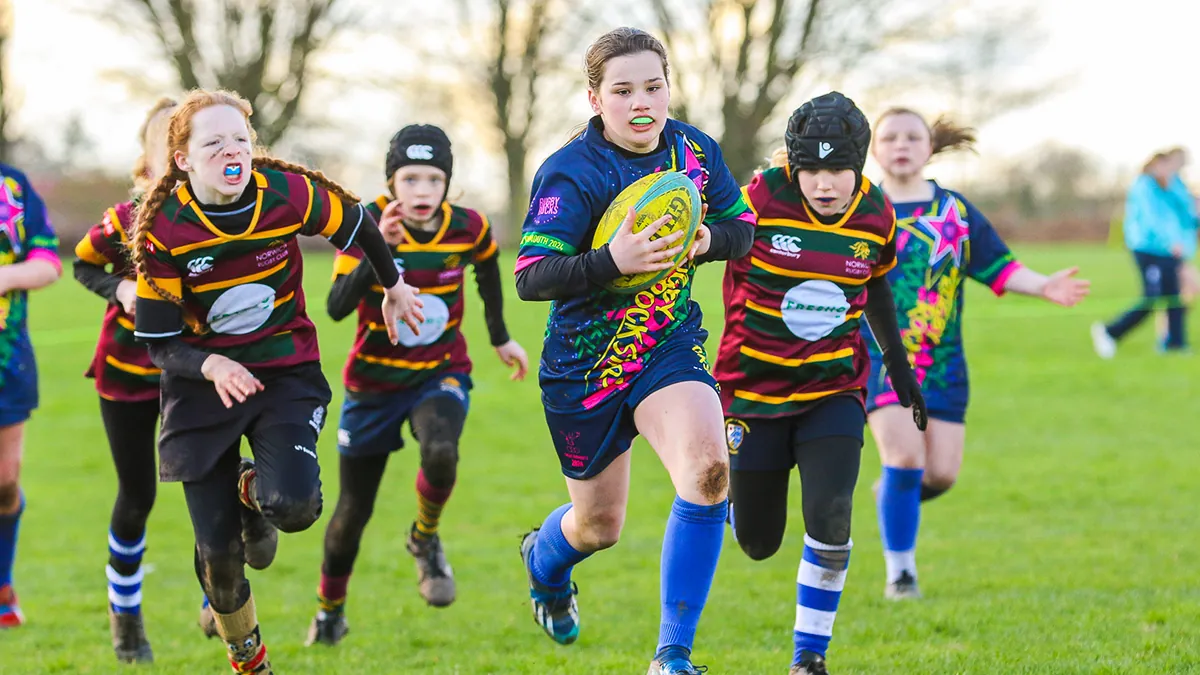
[810, 663]
[674, 661]
[328, 627]
[434, 575]
[129, 637]
[10, 613]
[903, 588]
[207, 623]
[259, 537]
[554, 610]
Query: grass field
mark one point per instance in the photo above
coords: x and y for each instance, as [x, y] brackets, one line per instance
[1069, 546]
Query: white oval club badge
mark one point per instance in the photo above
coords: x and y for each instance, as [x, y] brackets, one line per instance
[242, 309]
[814, 309]
[437, 315]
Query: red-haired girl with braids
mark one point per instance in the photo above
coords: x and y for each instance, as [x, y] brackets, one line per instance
[221, 306]
[127, 382]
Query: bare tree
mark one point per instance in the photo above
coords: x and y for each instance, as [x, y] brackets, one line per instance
[738, 61]
[521, 55]
[262, 49]
[978, 59]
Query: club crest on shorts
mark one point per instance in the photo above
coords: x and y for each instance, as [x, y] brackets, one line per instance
[452, 386]
[318, 418]
[735, 433]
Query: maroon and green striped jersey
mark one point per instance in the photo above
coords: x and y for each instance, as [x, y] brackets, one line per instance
[438, 269]
[794, 304]
[238, 268]
[121, 366]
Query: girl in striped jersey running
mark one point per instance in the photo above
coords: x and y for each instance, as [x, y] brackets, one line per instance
[424, 380]
[793, 363]
[219, 298]
[127, 382]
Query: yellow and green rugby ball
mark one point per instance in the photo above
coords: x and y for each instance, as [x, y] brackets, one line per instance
[652, 197]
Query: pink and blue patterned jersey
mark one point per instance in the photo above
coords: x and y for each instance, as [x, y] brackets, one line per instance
[25, 234]
[939, 244]
[597, 343]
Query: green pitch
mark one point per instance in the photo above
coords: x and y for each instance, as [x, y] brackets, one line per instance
[1069, 545]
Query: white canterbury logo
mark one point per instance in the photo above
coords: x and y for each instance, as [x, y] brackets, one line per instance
[198, 266]
[786, 245]
[420, 152]
[824, 149]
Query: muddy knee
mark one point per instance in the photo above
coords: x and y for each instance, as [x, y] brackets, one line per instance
[10, 496]
[291, 513]
[829, 521]
[714, 481]
[222, 576]
[936, 484]
[439, 462]
[599, 531]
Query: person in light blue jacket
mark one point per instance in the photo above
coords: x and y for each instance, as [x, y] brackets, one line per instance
[1158, 216]
[1188, 205]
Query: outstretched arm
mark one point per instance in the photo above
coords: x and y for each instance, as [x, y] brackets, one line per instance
[1061, 288]
[29, 275]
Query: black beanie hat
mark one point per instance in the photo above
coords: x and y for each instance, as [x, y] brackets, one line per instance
[828, 132]
[419, 144]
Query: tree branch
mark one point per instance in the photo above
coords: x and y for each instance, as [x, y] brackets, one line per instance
[184, 54]
[539, 22]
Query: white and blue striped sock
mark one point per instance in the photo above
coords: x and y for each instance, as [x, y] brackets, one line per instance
[819, 586]
[125, 586]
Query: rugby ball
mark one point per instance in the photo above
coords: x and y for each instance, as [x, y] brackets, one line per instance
[652, 197]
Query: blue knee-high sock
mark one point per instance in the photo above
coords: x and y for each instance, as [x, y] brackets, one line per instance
[691, 547]
[899, 509]
[818, 591]
[553, 556]
[9, 524]
[125, 585]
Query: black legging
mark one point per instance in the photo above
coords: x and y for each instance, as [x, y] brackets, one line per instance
[130, 427]
[437, 424]
[1160, 285]
[828, 472]
[287, 487]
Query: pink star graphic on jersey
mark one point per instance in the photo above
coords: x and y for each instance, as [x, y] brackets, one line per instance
[949, 231]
